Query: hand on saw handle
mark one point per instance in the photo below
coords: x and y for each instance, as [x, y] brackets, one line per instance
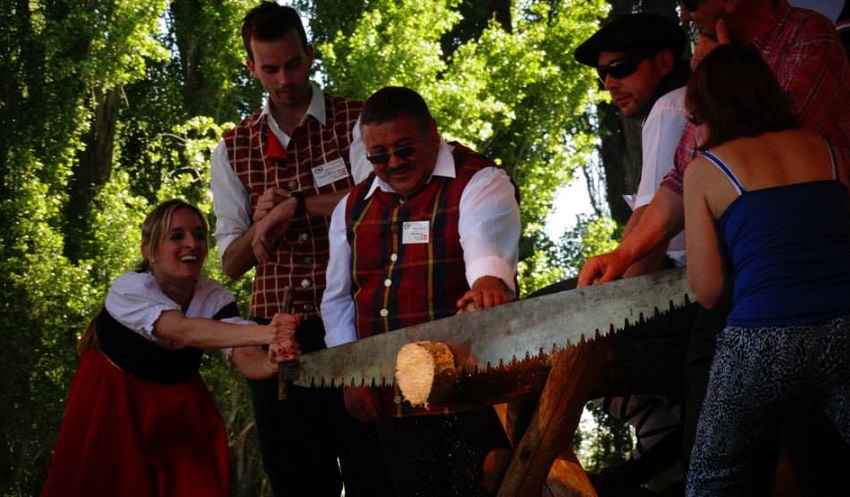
[285, 347]
[486, 292]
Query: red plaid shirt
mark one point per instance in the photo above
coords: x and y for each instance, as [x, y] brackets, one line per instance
[805, 53]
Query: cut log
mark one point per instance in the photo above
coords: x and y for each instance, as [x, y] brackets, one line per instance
[425, 373]
[431, 379]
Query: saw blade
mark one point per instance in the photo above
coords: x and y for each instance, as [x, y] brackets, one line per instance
[500, 336]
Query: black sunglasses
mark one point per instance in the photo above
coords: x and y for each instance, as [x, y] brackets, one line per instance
[401, 152]
[619, 69]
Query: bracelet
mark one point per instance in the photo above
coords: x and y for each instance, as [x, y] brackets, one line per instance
[301, 205]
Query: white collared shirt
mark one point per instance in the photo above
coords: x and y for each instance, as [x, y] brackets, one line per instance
[660, 136]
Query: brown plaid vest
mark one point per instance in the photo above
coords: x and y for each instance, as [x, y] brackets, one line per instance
[300, 258]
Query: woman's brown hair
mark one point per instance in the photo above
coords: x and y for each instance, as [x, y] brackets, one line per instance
[734, 92]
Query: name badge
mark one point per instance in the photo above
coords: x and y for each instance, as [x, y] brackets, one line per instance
[330, 172]
[415, 232]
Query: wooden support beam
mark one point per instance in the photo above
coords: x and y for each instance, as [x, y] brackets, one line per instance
[552, 426]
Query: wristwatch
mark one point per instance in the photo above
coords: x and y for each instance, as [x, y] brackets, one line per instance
[300, 206]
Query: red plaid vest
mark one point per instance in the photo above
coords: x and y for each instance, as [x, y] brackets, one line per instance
[395, 285]
[301, 257]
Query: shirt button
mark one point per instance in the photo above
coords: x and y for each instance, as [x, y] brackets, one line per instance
[291, 185]
[388, 282]
[308, 307]
[303, 237]
[308, 260]
[305, 283]
[384, 313]
[393, 257]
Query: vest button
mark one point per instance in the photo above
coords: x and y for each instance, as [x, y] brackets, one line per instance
[388, 282]
[384, 313]
[308, 307]
[393, 257]
[305, 283]
[292, 185]
[308, 261]
[303, 237]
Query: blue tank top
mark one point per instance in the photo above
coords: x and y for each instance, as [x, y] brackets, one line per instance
[789, 251]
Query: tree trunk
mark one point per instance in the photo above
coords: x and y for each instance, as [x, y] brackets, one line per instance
[92, 170]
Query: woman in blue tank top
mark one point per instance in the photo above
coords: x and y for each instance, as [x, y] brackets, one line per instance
[767, 221]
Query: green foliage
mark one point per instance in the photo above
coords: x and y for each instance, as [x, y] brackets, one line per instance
[605, 440]
[590, 236]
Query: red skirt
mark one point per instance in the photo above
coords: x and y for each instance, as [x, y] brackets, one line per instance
[122, 435]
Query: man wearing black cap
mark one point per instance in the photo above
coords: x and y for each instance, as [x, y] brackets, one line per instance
[638, 58]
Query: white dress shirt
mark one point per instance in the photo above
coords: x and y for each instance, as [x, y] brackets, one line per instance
[660, 136]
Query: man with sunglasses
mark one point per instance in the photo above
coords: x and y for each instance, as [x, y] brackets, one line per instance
[275, 179]
[805, 53]
[434, 230]
[639, 60]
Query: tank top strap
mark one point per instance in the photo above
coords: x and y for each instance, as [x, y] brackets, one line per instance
[832, 156]
[725, 170]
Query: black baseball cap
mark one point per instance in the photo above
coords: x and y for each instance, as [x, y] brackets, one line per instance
[642, 33]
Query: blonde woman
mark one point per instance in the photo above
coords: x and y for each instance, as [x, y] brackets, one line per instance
[139, 420]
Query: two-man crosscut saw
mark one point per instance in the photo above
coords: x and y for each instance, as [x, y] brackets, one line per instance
[502, 336]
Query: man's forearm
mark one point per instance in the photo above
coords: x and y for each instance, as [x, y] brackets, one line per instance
[323, 205]
[633, 221]
[239, 256]
[662, 219]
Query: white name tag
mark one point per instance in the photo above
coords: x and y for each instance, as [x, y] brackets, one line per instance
[415, 232]
[329, 172]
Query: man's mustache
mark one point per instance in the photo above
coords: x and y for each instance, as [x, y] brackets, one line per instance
[407, 166]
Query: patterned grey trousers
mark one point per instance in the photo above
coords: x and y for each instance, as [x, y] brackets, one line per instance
[756, 374]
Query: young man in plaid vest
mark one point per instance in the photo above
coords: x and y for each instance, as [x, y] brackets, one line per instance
[275, 179]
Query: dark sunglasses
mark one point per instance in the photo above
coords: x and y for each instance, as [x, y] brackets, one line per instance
[619, 69]
[401, 152]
